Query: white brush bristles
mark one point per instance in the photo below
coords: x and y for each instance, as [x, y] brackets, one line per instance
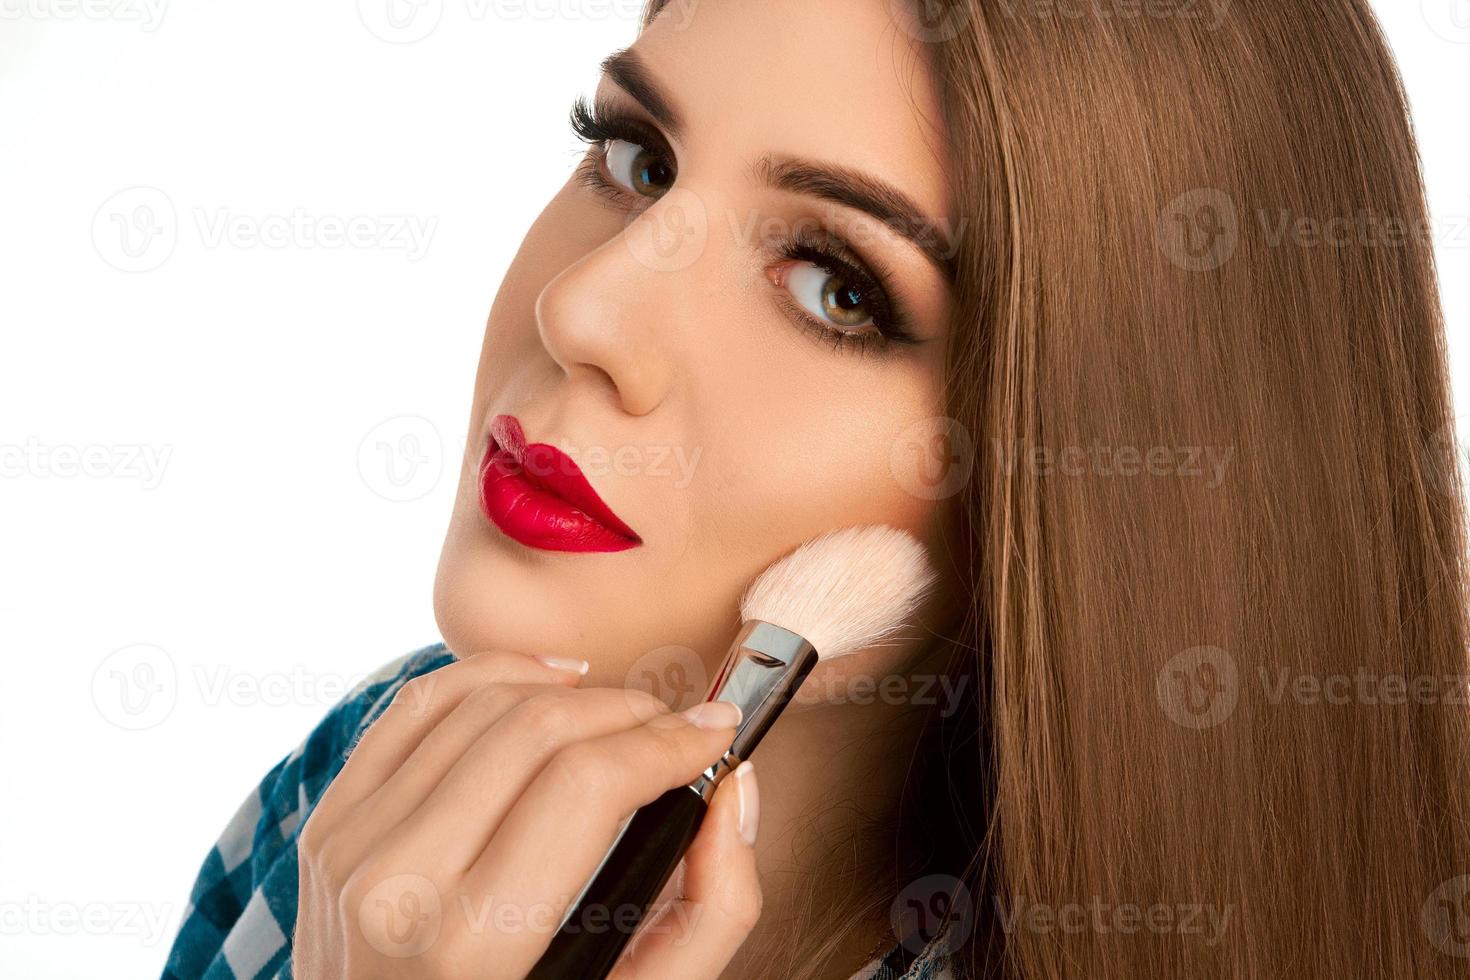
[844, 591]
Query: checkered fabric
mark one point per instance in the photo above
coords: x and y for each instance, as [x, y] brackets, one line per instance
[242, 909]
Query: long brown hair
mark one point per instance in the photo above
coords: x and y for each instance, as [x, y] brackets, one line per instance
[1215, 536]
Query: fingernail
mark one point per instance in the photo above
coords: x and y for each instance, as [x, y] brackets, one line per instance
[749, 797]
[565, 663]
[713, 714]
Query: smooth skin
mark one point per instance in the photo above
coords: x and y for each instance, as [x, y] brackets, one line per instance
[474, 808]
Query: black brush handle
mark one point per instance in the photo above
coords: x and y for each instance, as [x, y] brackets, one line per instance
[634, 873]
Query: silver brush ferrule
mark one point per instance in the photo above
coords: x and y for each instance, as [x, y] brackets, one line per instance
[765, 666]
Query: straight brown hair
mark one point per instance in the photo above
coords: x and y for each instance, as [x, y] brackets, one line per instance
[1209, 691]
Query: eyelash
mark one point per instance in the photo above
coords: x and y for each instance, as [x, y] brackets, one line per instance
[600, 123]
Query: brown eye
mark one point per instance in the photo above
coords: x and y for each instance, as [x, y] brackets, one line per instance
[829, 296]
[644, 172]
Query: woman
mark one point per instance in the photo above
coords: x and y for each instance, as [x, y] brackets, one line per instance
[1147, 280]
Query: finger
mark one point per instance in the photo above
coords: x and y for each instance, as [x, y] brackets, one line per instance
[558, 832]
[417, 707]
[485, 778]
[373, 817]
[698, 932]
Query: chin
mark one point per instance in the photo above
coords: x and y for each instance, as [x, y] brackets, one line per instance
[492, 594]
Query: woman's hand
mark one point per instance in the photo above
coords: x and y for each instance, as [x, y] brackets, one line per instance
[476, 807]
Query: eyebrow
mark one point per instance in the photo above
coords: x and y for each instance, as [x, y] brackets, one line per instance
[834, 183]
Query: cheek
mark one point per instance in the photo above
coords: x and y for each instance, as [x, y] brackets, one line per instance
[814, 459]
[818, 440]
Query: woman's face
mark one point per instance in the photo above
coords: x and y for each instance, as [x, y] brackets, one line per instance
[672, 324]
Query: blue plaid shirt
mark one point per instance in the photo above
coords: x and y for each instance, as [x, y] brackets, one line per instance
[242, 910]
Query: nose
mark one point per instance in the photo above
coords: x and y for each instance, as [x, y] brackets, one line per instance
[602, 317]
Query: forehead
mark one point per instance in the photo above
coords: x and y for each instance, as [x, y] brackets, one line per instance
[838, 81]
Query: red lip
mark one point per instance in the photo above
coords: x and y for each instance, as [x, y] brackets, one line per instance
[538, 496]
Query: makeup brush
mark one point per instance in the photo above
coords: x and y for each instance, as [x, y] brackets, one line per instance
[845, 591]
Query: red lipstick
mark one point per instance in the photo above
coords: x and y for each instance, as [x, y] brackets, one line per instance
[538, 496]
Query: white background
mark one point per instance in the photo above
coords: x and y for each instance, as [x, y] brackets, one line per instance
[273, 429]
